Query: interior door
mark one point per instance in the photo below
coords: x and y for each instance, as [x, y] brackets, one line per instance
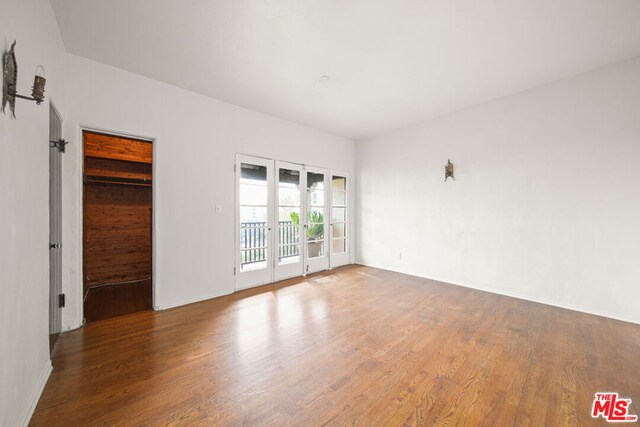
[340, 229]
[254, 218]
[316, 220]
[290, 213]
[55, 226]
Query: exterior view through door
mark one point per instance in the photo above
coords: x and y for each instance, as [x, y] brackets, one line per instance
[291, 219]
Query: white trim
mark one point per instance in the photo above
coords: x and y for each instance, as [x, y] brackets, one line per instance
[192, 300]
[516, 295]
[37, 392]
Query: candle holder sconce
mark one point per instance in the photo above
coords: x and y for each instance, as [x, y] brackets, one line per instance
[448, 171]
[10, 82]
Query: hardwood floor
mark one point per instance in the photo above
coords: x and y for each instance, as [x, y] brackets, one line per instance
[354, 345]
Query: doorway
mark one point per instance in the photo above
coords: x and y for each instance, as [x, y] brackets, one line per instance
[56, 298]
[117, 225]
[291, 220]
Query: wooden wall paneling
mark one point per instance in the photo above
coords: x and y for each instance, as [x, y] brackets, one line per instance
[118, 240]
[118, 148]
[101, 167]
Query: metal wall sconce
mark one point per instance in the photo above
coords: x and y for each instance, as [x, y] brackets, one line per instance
[448, 171]
[9, 84]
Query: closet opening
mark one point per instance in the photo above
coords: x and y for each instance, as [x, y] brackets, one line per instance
[117, 225]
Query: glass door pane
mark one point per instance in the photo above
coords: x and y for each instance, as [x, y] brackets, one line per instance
[288, 216]
[315, 214]
[317, 220]
[253, 217]
[339, 220]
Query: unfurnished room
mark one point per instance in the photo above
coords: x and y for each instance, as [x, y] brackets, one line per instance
[320, 213]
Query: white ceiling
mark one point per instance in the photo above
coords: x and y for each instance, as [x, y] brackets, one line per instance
[390, 62]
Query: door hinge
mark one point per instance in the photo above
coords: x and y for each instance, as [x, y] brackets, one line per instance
[59, 144]
[235, 168]
[61, 300]
[234, 271]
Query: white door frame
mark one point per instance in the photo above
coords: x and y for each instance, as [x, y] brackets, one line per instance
[79, 201]
[260, 276]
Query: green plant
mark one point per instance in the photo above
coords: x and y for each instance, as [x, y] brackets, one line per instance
[315, 221]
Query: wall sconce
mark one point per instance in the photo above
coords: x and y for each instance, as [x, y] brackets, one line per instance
[448, 171]
[10, 78]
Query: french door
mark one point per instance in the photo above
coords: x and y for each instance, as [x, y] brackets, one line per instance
[254, 216]
[290, 185]
[340, 224]
[316, 225]
[291, 220]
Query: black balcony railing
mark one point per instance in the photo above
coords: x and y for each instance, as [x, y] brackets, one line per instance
[253, 241]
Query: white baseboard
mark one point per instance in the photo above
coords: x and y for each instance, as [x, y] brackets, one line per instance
[191, 301]
[510, 294]
[36, 393]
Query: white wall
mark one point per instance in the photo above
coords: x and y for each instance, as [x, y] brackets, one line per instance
[196, 141]
[546, 201]
[24, 209]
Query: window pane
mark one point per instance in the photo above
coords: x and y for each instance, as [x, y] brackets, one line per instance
[315, 216]
[253, 172]
[289, 187]
[288, 243]
[253, 214]
[338, 246]
[288, 196]
[339, 183]
[289, 176]
[338, 230]
[288, 234]
[252, 237]
[289, 215]
[315, 181]
[339, 198]
[315, 231]
[316, 198]
[253, 184]
[315, 249]
[288, 259]
[339, 215]
[252, 195]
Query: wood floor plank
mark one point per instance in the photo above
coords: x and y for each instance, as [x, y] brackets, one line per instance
[355, 345]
